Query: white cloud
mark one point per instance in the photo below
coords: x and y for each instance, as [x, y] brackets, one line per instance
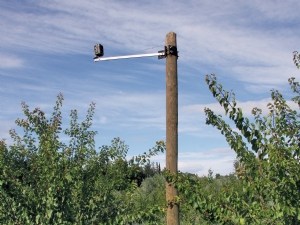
[192, 117]
[248, 42]
[5, 127]
[209, 26]
[219, 160]
[103, 120]
[208, 33]
[10, 61]
[246, 106]
[139, 110]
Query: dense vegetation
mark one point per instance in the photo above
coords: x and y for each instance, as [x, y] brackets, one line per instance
[44, 180]
[267, 185]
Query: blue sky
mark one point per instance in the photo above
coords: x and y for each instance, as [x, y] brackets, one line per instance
[47, 48]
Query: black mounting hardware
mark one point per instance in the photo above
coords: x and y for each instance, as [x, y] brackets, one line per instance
[169, 50]
[98, 50]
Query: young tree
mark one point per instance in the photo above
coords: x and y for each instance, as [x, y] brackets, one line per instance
[44, 180]
[267, 187]
[268, 151]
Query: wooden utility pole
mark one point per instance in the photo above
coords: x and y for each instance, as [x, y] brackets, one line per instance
[171, 127]
[171, 54]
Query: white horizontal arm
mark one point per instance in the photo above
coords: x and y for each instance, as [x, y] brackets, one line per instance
[129, 56]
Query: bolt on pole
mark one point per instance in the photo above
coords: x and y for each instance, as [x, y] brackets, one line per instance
[171, 128]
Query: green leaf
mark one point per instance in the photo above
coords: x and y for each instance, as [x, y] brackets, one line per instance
[242, 221]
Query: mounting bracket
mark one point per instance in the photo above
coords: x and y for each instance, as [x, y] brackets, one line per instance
[168, 50]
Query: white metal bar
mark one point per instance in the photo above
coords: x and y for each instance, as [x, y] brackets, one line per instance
[129, 56]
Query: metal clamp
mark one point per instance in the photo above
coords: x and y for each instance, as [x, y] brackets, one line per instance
[169, 50]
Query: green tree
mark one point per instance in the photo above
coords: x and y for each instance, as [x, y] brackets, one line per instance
[296, 59]
[267, 151]
[266, 188]
[44, 180]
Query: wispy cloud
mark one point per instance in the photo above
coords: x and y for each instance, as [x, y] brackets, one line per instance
[194, 117]
[230, 35]
[46, 48]
[214, 27]
[8, 61]
[219, 160]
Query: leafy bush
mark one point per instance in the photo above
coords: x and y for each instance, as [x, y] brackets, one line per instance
[44, 180]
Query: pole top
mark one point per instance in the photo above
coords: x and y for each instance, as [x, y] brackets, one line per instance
[171, 39]
[171, 34]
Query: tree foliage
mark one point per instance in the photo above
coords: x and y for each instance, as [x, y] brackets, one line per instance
[267, 149]
[44, 180]
[296, 59]
[266, 186]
